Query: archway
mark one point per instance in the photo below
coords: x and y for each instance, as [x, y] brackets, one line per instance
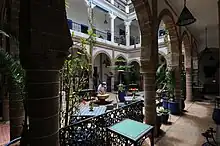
[120, 74]
[187, 63]
[51, 68]
[135, 76]
[209, 70]
[102, 72]
[162, 58]
[171, 40]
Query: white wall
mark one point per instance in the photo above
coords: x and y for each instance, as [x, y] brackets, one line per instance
[99, 18]
[77, 11]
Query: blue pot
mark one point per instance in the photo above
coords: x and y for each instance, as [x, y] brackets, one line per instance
[165, 104]
[174, 107]
[121, 96]
[216, 116]
[70, 23]
[182, 104]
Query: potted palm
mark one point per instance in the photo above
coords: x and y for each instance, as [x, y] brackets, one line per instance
[164, 113]
[173, 104]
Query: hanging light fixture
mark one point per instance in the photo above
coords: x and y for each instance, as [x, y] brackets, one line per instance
[105, 22]
[186, 17]
[206, 50]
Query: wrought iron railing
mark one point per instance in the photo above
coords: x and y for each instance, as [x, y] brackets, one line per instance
[101, 34]
[120, 6]
[120, 39]
[131, 8]
[92, 131]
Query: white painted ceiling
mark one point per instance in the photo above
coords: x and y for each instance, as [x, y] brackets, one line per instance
[206, 13]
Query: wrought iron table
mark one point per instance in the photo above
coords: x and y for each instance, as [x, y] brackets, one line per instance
[85, 113]
[130, 132]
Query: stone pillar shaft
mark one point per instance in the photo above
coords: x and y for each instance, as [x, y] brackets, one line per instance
[112, 19]
[189, 84]
[127, 32]
[43, 93]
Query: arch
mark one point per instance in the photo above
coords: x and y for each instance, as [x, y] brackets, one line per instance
[164, 55]
[168, 19]
[122, 56]
[134, 60]
[143, 12]
[102, 52]
[185, 40]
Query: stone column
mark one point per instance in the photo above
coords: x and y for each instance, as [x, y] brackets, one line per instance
[43, 49]
[113, 71]
[112, 19]
[218, 126]
[188, 67]
[195, 71]
[127, 32]
[148, 71]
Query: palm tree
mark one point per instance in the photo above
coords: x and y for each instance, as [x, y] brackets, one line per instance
[15, 75]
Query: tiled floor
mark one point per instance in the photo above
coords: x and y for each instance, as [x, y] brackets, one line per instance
[184, 131]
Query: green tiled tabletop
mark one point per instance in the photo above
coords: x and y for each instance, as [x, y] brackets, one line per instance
[131, 129]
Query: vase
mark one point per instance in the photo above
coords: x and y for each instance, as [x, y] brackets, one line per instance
[216, 116]
[121, 96]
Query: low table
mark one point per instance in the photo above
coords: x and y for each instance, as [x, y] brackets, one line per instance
[131, 131]
[85, 113]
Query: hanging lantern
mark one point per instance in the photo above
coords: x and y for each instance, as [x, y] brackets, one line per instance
[105, 22]
[186, 17]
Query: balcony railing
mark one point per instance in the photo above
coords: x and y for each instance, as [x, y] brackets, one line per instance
[120, 6]
[131, 8]
[92, 131]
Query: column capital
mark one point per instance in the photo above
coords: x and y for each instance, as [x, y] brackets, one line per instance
[127, 23]
[112, 16]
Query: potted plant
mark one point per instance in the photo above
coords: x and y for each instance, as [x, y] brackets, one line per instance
[121, 92]
[173, 105]
[161, 84]
[164, 114]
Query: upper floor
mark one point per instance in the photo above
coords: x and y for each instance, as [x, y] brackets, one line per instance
[115, 22]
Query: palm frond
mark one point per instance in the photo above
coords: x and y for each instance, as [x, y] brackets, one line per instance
[4, 33]
[13, 68]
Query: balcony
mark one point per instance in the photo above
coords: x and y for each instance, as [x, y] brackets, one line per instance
[81, 30]
[118, 4]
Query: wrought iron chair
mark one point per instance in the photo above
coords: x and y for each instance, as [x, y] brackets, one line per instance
[210, 137]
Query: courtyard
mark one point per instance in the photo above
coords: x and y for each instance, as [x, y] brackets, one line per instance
[109, 73]
[184, 130]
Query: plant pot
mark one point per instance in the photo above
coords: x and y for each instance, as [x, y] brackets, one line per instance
[165, 103]
[173, 106]
[158, 125]
[182, 104]
[216, 116]
[164, 118]
[121, 96]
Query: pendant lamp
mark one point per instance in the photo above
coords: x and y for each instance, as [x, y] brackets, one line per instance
[186, 17]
